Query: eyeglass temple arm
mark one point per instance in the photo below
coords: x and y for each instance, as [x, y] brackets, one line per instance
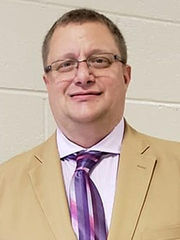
[116, 57]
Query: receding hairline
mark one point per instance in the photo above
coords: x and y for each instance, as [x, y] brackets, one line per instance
[93, 17]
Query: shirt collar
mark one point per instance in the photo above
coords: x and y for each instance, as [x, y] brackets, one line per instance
[111, 143]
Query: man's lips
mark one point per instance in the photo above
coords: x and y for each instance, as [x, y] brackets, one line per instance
[92, 93]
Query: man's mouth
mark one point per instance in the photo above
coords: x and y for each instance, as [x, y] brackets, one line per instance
[85, 94]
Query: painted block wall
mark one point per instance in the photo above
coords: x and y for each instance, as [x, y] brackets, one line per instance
[152, 32]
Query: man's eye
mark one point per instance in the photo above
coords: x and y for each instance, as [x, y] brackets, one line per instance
[100, 60]
[66, 65]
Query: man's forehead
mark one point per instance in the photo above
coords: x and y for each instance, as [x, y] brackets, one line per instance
[90, 37]
[87, 32]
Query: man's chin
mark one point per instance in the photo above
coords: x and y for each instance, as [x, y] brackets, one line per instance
[86, 118]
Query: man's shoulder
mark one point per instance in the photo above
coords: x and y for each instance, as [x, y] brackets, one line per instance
[24, 160]
[160, 143]
[136, 140]
[155, 145]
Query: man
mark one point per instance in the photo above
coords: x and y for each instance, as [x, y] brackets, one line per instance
[136, 183]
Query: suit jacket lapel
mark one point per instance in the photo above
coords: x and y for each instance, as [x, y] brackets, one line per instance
[135, 172]
[47, 181]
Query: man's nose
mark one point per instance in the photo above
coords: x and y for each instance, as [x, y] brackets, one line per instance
[83, 75]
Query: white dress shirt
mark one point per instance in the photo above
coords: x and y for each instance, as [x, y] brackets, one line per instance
[104, 175]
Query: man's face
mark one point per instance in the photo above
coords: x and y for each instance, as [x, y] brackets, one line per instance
[89, 97]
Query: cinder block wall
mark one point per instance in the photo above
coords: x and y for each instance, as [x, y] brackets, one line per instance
[152, 31]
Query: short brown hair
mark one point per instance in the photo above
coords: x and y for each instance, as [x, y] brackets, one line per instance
[83, 15]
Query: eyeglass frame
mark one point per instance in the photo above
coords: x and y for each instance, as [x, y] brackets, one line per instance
[48, 68]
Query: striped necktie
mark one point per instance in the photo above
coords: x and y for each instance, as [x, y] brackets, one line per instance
[86, 207]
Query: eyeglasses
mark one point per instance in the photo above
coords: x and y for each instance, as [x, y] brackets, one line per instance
[65, 70]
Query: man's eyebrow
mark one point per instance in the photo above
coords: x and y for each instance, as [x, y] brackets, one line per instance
[97, 51]
[64, 57]
[71, 55]
[67, 55]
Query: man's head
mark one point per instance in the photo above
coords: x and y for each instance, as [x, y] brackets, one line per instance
[86, 75]
[82, 16]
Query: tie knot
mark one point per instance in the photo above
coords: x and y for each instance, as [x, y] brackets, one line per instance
[86, 160]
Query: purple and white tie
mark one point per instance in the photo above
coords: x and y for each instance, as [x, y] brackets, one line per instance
[87, 212]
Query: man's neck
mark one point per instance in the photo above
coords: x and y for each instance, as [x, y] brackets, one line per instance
[87, 135]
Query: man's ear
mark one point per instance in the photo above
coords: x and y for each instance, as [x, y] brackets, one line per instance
[127, 74]
[45, 79]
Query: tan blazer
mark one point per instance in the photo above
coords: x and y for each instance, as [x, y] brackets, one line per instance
[33, 204]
